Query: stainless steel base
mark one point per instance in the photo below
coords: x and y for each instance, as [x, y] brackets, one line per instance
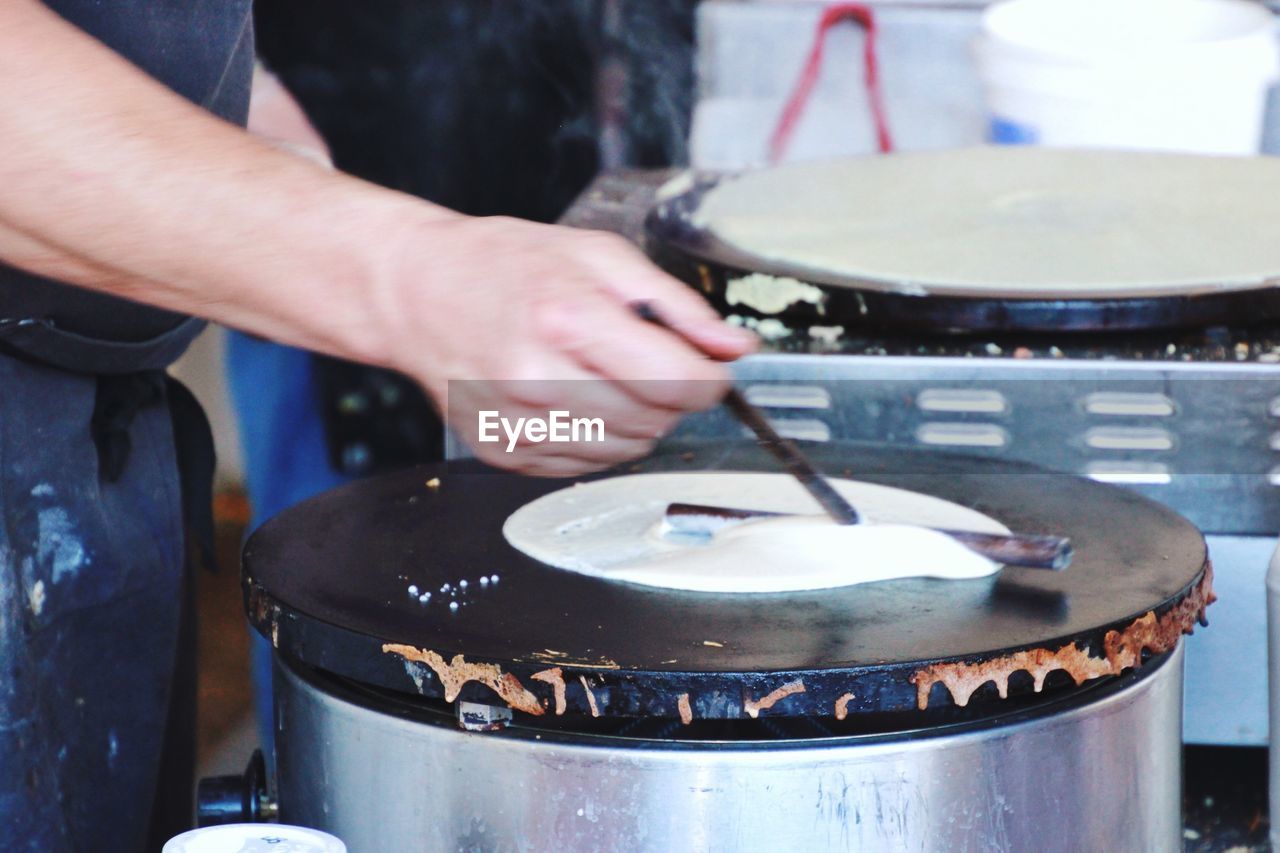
[1099, 775]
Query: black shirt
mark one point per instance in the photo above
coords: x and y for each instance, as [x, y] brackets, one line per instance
[203, 50]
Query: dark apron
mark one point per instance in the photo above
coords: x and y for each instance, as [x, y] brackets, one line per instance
[105, 469]
[91, 592]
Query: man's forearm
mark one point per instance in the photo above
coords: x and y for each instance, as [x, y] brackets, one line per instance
[111, 181]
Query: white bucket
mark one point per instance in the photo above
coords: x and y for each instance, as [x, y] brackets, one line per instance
[254, 838]
[1177, 75]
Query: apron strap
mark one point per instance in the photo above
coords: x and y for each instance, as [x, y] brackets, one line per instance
[197, 459]
[41, 341]
[119, 399]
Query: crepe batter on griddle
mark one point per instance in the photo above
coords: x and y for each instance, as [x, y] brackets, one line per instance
[613, 529]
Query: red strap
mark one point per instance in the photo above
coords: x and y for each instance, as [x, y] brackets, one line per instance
[799, 99]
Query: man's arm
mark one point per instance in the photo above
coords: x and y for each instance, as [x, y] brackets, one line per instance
[110, 181]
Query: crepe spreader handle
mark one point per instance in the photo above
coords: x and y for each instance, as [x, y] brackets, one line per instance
[1018, 549]
[783, 450]
[791, 458]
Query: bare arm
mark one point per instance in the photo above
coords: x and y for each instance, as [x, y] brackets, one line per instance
[156, 200]
[112, 182]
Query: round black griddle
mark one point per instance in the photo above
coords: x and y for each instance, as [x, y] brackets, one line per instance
[327, 583]
[707, 263]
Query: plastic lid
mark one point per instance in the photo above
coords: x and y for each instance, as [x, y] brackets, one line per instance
[255, 838]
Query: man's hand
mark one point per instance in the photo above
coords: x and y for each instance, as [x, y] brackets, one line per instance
[542, 317]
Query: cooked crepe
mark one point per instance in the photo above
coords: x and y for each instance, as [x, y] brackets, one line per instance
[1019, 222]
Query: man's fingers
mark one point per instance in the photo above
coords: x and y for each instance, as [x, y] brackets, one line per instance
[629, 276]
[715, 338]
[571, 431]
[621, 413]
[591, 419]
[654, 365]
[611, 451]
[563, 460]
[576, 392]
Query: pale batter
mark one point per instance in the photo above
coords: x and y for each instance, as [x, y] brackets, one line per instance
[1014, 221]
[614, 529]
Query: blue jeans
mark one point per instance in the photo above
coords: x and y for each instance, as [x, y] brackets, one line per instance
[285, 457]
